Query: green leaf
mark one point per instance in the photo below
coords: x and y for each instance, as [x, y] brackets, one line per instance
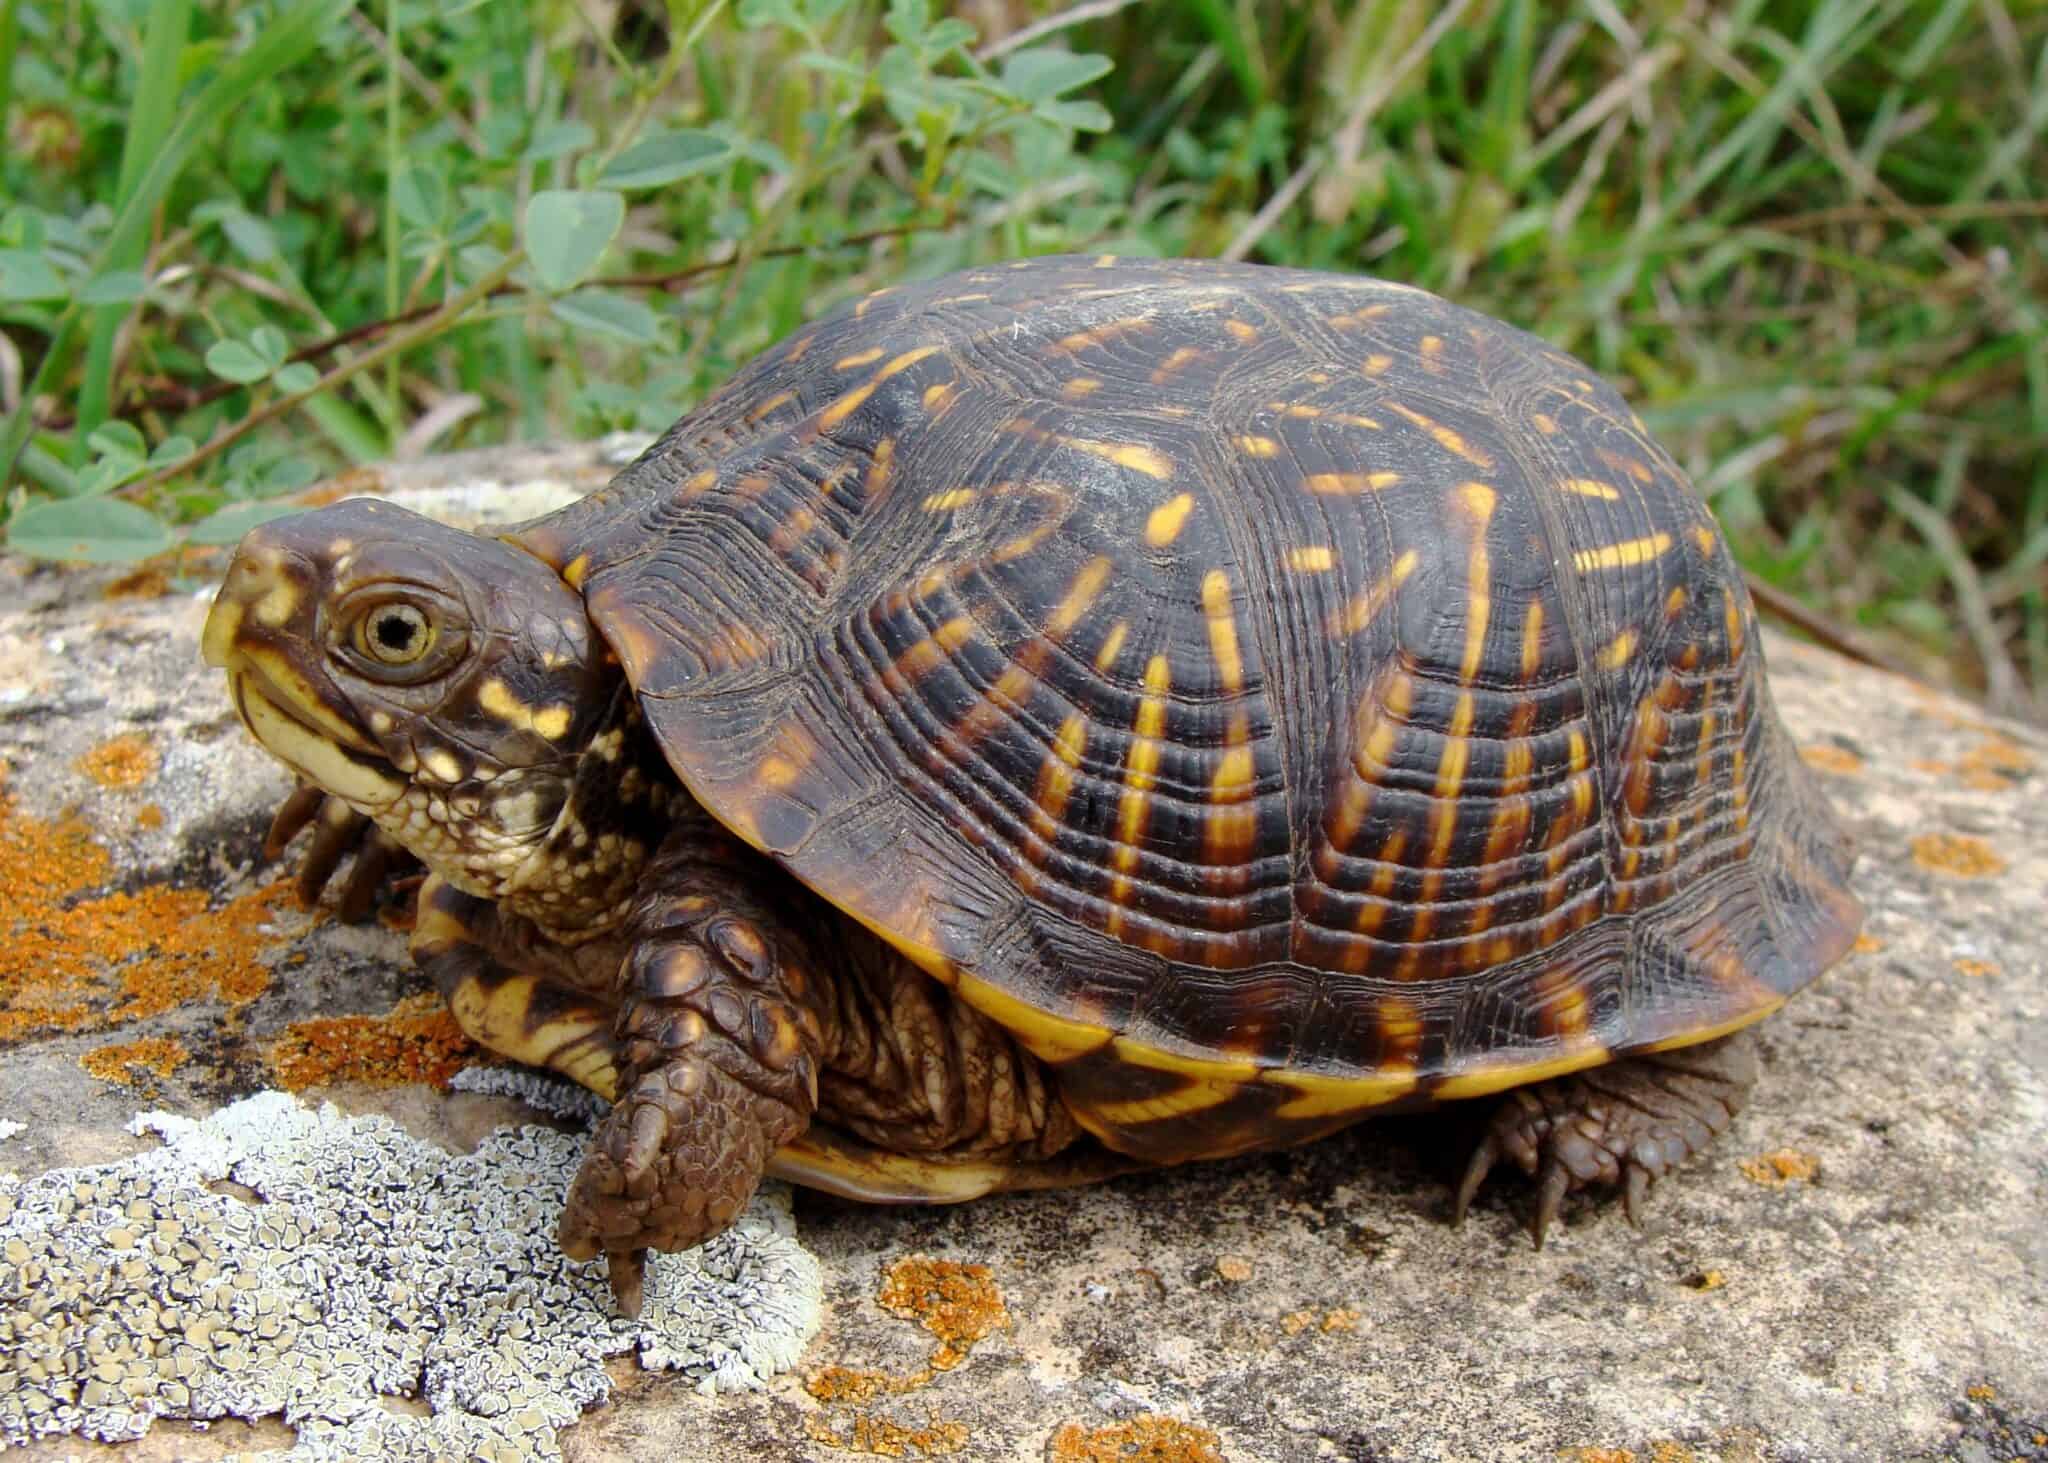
[233, 360]
[26, 276]
[172, 449]
[608, 314]
[667, 158]
[568, 231]
[251, 235]
[108, 473]
[296, 377]
[551, 140]
[422, 197]
[122, 287]
[118, 439]
[1043, 73]
[88, 531]
[229, 524]
[269, 342]
[1081, 116]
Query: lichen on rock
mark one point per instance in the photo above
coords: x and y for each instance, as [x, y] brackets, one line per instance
[370, 1266]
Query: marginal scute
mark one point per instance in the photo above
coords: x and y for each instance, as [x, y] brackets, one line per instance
[1270, 695]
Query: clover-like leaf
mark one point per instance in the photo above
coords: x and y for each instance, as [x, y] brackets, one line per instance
[567, 232]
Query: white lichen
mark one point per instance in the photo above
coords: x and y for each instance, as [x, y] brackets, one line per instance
[343, 1262]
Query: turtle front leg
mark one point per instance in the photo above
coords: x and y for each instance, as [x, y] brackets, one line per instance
[1627, 1123]
[338, 831]
[720, 1037]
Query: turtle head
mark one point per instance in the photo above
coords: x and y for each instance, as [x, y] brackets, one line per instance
[445, 684]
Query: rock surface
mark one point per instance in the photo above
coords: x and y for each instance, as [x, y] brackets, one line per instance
[1858, 1269]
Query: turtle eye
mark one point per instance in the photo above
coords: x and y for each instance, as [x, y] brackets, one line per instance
[395, 633]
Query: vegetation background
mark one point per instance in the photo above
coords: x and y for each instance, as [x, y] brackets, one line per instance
[244, 245]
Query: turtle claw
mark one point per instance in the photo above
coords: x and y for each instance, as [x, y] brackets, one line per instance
[1627, 1124]
[1550, 1192]
[1637, 1185]
[629, 1280]
[1484, 1157]
[338, 831]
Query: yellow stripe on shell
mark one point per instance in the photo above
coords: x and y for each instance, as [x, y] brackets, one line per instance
[1330, 483]
[1192, 1097]
[1317, 1096]
[1624, 555]
[1165, 522]
[1048, 1037]
[1477, 500]
[1445, 437]
[1588, 487]
[1490, 1077]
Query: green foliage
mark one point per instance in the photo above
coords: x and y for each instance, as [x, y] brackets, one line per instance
[245, 247]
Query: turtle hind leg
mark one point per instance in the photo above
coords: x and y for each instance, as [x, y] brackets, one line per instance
[1626, 1124]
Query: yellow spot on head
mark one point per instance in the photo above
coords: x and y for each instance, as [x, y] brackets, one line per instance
[1312, 559]
[1349, 482]
[1167, 520]
[441, 763]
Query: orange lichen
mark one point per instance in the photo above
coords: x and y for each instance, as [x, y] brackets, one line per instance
[1596, 1455]
[1337, 1319]
[1958, 854]
[957, 1303]
[71, 959]
[1707, 1280]
[881, 1438]
[1776, 1169]
[1976, 969]
[129, 1062]
[1147, 1438]
[1234, 1268]
[1866, 945]
[120, 762]
[1827, 757]
[1981, 1393]
[415, 1041]
[1995, 765]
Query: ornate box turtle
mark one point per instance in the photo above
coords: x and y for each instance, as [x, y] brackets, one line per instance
[1067, 716]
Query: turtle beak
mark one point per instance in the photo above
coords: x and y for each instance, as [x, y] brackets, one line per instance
[263, 630]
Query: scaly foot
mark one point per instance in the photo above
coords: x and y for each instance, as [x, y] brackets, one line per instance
[1626, 1123]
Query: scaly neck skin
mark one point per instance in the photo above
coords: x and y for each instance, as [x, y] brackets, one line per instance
[581, 878]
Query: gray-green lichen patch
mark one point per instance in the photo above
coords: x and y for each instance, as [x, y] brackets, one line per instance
[276, 1259]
